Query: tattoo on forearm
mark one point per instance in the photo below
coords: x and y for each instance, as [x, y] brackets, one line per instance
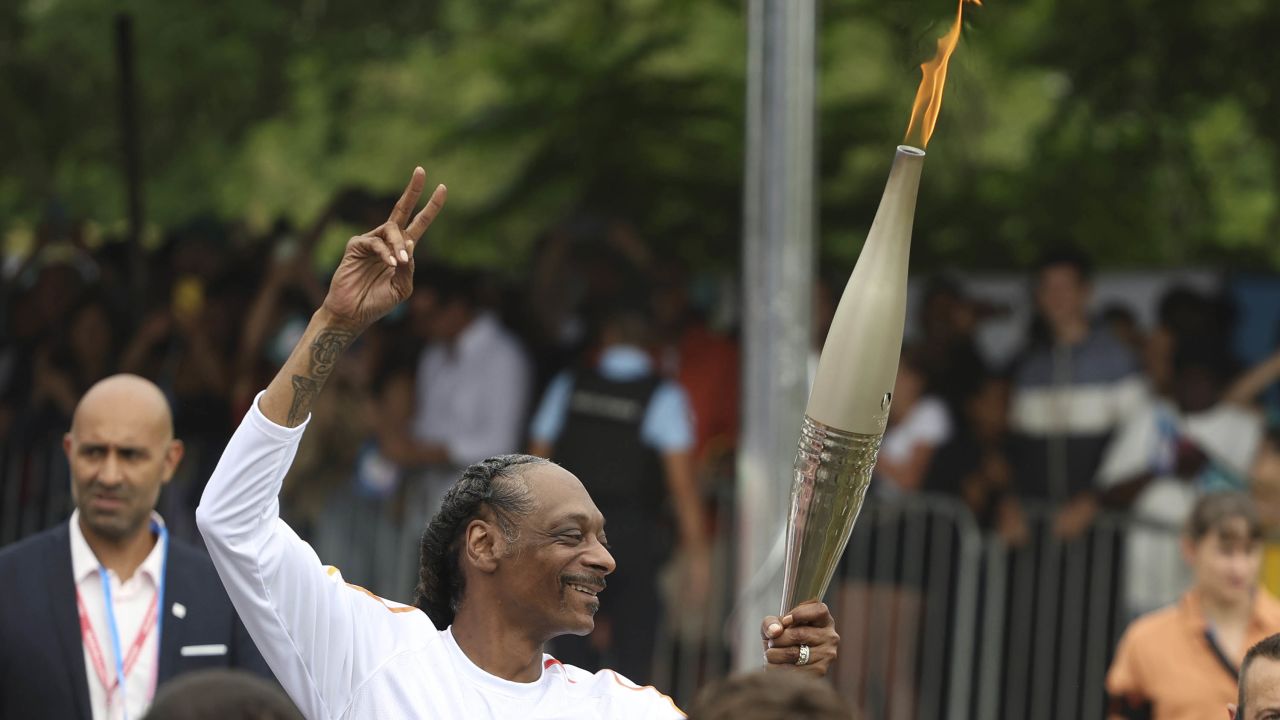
[304, 393]
[325, 350]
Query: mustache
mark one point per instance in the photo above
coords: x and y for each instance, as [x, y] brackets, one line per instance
[96, 490]
[595, 582]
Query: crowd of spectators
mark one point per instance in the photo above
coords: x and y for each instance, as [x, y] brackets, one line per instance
[1095, 414]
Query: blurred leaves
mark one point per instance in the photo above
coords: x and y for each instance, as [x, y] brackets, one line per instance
[1145, 131]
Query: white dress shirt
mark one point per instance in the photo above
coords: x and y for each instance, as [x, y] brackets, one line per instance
[131, 600]
[473, 393]
[344, 653]
[1146, 444]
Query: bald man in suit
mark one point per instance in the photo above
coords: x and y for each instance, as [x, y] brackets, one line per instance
[103, 608]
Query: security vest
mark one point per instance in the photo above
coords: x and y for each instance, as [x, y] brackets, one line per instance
[601, 444]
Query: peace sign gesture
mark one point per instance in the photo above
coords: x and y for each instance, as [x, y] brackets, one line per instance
[376, 272]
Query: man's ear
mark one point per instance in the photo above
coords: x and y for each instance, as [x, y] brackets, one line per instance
[172, 457]
[1231, 711]
[482, 545]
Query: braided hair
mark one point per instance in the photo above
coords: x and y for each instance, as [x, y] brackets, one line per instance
[489, 483]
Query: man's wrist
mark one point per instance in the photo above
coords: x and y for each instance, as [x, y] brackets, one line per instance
[325, 319]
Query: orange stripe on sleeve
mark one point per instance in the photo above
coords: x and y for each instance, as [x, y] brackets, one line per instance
[618, 679]
[390, 608]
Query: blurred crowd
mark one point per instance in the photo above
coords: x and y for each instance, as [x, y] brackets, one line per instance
[1096, 413]
[624, 367]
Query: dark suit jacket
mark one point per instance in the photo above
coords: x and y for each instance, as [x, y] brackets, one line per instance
[42, 669]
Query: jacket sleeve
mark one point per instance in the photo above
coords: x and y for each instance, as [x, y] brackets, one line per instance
[320, 637]
[1127, 696]
[244, 654]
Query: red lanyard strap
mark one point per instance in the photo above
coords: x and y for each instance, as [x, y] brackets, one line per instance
[109, 683]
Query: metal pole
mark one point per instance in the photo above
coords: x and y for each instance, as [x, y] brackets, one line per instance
[131, 150]
[778, 263]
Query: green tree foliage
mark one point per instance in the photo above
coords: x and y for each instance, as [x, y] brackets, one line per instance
[1146, 131]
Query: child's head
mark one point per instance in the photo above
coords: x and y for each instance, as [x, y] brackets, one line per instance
[1223, 545]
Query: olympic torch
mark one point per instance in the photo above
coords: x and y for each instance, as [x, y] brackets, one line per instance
[849, 402]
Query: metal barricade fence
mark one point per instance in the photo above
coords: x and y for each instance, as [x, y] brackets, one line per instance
[1055, 609]
[374, 542]
[906, 607]
[35, 488]
[906, 603]
[693, 648]
[940, 620]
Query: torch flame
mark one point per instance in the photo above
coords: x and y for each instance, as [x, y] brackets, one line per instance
[924, 112]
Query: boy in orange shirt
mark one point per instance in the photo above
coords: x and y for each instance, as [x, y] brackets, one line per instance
[1182, 661]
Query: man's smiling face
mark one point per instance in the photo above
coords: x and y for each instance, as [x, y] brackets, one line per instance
[555, 570]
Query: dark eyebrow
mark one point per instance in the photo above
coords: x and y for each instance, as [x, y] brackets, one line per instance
[580, 518]
[139, 449]
[577, 517]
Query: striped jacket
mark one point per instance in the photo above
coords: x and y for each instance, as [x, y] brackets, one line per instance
[1067, 402]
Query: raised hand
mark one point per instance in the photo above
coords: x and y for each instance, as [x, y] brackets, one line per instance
[376, 272]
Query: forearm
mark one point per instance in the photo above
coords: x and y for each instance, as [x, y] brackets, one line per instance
[688, 508]
[64, 398]
[207, 364]
[693, 535]
[398, 447]
[288, 399]
[1244, 390]
[1122, 494]
[134, 357]
[258, 323]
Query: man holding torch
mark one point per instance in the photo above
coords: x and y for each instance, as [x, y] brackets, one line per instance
[517, 555]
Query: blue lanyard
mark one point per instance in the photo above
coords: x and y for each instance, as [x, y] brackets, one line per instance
[111, 614]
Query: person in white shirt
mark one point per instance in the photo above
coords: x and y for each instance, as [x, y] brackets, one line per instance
[471, 386]
[919, 424]
[516, 557]
[472, 380]
[1203, 438]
